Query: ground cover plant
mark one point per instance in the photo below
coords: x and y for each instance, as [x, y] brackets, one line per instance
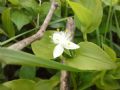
[59, 44]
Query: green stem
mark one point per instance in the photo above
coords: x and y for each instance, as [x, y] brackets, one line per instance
[59, 20]
[64, 8]
[108, 20]
[85, 37]
[13, 38]
[102, 77]
[117, 24]
[38, 20]
[98, 37]
[110, 34]
[73, 81]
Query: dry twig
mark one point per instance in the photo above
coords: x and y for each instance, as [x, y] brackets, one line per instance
[64, 79]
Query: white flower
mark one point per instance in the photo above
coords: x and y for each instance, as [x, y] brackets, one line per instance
[62, 41]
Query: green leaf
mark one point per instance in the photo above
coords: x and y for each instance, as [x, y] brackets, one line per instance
[87, 80]
[117, 7]
[47, 84]
[118, 59]
[43, 10]
[84, 11]
[91, 57]
[2, 8]
[20, 84]
[14, 2]
[110, 52]
[27, 72]
[29, 4]
[7, 23]
[77, 22]
[2, 31]
[108, 83]
[2, 87]
[45, 45]
[20, 18]
[8, 56]
[25, 84]
[110, 2]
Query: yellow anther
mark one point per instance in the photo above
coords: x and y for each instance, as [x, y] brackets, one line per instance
[58, 29]
[66, 30]
[68, 44]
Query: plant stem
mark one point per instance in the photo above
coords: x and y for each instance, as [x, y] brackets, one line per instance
[108, 20]
[117, 24]
[74, 81]
[98, 37]
[64, 8]
[110, 33]
[85, 37]
[13, 38]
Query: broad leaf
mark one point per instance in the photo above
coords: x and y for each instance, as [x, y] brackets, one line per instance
[20, 18]
[20, 84]
[43, 10]
[29, 4]
[108, 83]
[25, 84]
[91, 57]
[47, 84]
[115, 74]
[2, 31]
[21, 58]
[27, 72]
[117, 7]
[87, 80]
[44, 47]
[110, 52]
[7, 23]
[84, 11]
[2, 87]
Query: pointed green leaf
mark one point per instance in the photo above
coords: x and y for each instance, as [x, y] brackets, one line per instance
[91, 57]
[2, 31]
[87, 80]
[117, 7]
[110, 52]
[84, 11]
[48, 84]
[27, 72]
[2, 87]
[20, 18]
[29, 4]
[21, 58]
[108, 83]
[7, 23]
[20, 84]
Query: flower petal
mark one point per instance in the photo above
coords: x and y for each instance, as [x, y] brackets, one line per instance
[58, 37]
[58, 51]
[71, 45]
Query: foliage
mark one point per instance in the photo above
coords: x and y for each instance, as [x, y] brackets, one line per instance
[94, 66]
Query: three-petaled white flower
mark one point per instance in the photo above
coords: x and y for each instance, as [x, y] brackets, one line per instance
[62, 41]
